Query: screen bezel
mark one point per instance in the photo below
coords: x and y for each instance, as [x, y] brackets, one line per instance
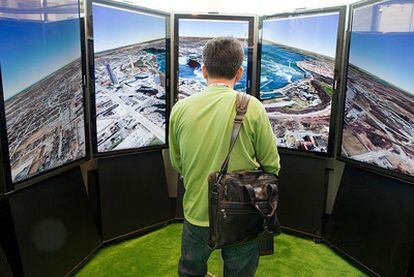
[125, 6]
[369, 167]
[4, 147]
[201, 16]
[341, 10]
[10, 185]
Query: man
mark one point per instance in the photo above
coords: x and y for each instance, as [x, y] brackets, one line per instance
[200, 133]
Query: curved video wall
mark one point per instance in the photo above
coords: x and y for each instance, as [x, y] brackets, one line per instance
[131, 50]
[43, 126]
[297, 71]
[378, 123]
[41, 70]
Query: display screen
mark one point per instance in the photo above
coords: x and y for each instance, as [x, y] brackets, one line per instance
[378, 127]
[130, 78]
[296, 78]
[193, 34]
[40, 58]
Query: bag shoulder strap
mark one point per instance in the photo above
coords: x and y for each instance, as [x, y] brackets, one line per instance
[242, 101]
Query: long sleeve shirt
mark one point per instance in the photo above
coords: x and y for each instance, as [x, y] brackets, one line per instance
[199, 140]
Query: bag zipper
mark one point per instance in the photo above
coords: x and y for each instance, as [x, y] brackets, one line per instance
[225, 212]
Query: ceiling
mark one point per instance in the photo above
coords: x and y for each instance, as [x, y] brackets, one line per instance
[260, 7]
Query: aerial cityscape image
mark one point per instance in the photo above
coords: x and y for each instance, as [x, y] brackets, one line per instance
[379, 109]
[193, 35]
[130, 81]
[42, 90]
[296, 78]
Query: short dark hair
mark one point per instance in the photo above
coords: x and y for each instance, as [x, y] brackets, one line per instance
[223, 56]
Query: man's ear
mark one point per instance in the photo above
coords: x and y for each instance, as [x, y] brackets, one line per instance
[204, 70]
[239, 74]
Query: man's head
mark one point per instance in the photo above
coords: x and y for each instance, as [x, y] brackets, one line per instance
[222, 58]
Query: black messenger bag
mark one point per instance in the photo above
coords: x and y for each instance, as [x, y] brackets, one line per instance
[242, 204]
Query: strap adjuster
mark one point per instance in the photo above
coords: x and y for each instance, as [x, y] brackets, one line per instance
[238, 119]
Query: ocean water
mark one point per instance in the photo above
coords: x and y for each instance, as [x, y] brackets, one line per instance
[270, 95]
[186, 72]
[161, 58]
[278, 69]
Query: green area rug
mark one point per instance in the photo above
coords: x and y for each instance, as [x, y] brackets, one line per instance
[157, 254]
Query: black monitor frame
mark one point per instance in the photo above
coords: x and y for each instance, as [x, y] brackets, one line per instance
[213, 16]
[125, 6]
[369, 167]
[337, 71]
[10, 185]
[4, 154]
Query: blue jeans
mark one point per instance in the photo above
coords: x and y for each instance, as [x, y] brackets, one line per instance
[240, 261]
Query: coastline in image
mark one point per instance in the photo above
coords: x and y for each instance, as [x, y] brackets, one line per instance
[190, 76]
[296, 89]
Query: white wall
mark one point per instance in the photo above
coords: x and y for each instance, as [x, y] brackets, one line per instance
[178, 5]
[269, 7]
[237, 6]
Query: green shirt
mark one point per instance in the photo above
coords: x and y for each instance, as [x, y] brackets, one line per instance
[199, 139]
